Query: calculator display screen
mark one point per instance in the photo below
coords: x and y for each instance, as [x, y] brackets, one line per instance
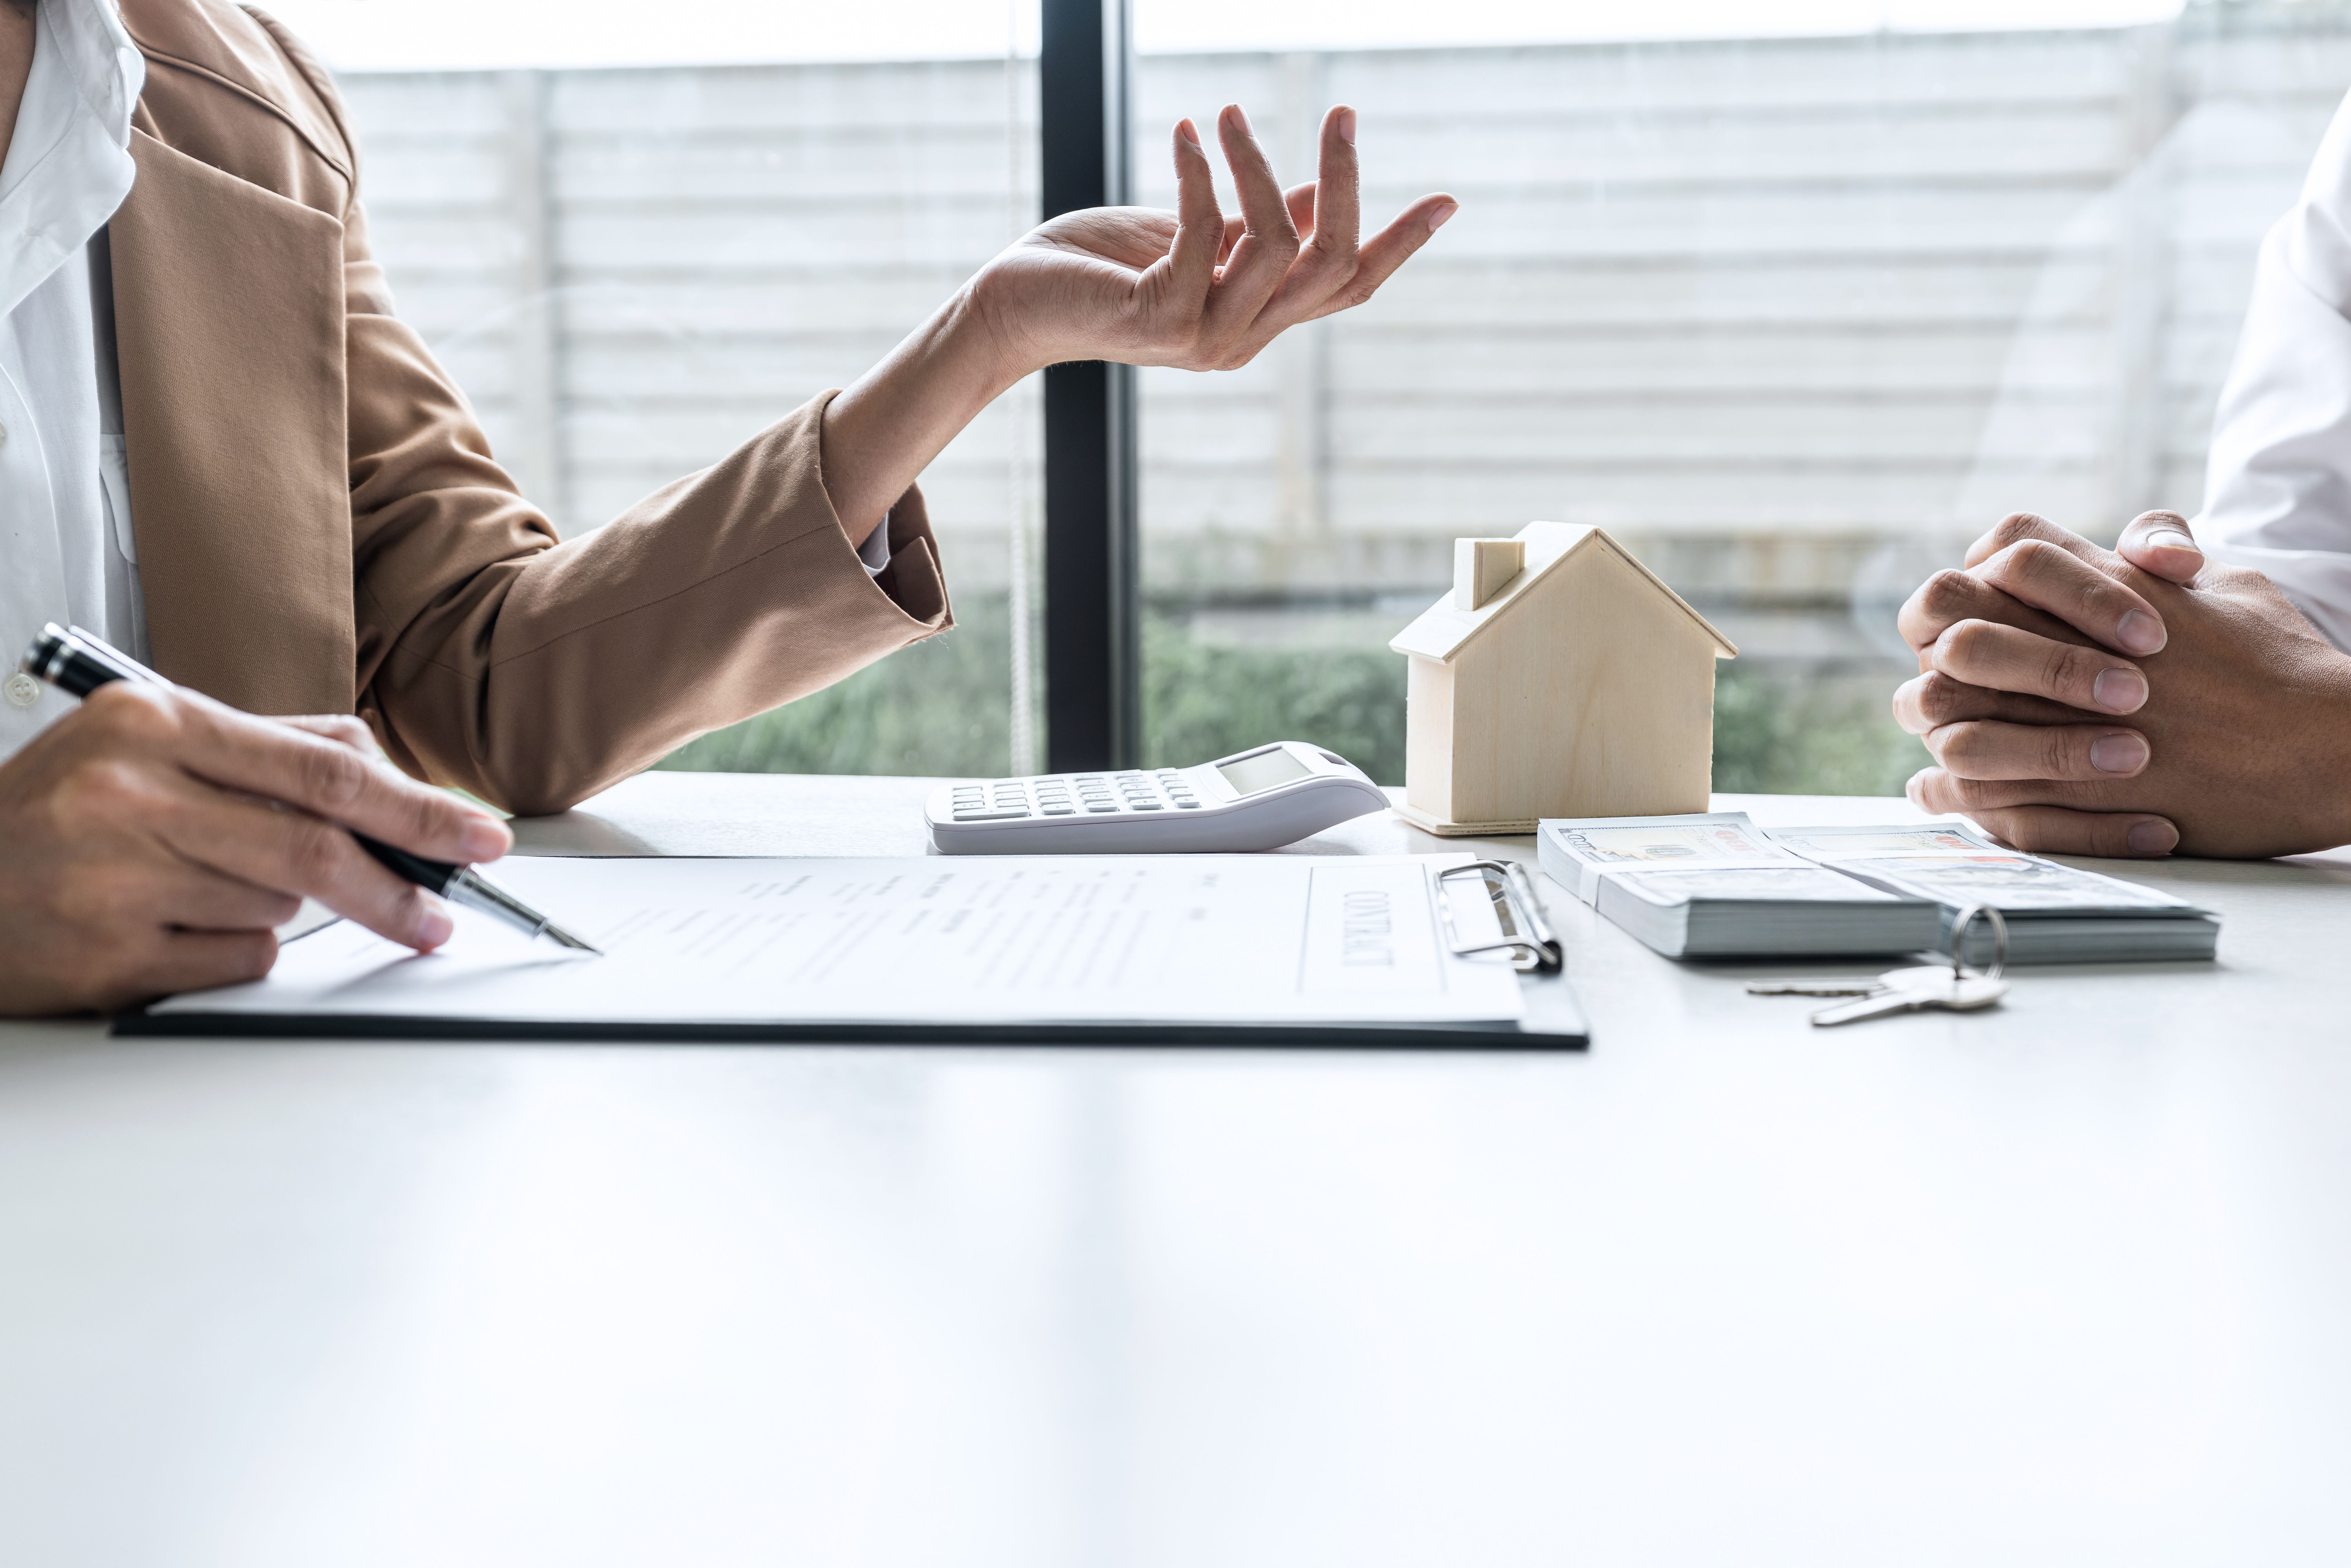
[1247, 775]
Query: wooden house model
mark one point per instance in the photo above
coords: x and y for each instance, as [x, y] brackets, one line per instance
[1560, 678]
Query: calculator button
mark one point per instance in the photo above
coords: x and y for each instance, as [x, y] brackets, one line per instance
[1149, 806]
[971, 815]
[1094, 808]
[1187, 804]
[1060, 810]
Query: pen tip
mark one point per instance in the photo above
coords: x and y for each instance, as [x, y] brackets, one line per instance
[557, 934]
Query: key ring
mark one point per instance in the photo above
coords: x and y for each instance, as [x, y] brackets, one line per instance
[1959, 924]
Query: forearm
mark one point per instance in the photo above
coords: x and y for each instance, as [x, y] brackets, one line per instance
[884, 431]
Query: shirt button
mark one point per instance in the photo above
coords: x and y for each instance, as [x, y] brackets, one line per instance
[21, 690]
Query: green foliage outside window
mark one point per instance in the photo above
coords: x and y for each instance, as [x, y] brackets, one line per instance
[939, 707]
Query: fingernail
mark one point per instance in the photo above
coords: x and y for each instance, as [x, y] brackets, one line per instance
[1240, 118]
[2153, 838]
[486, 840]
[1911, 787]
[2119, 691]
[1347, 126]
[2125, 753]
[2139, 632]
[1437, 219]
[2172, 539]
[1189, 132]
[436, 928]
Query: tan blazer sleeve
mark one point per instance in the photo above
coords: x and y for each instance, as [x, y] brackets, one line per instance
[534, 672]
[488, 654]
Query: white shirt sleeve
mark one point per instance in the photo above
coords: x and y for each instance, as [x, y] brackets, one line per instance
[875, 552]
[2277, 491]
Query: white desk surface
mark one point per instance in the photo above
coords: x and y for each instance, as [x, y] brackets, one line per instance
[2066, 1283]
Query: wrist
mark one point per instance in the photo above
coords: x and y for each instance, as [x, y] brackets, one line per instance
[1004, 313]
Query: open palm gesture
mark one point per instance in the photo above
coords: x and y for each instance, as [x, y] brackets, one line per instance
[1193, 288]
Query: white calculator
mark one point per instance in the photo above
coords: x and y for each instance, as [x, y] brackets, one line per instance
[1258, 799]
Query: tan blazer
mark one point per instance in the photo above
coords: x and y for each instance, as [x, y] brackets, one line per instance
[320, 526]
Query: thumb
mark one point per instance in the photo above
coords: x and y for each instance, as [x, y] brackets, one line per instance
[2160, 543]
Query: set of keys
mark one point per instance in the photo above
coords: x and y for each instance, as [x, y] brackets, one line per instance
[1947, 986]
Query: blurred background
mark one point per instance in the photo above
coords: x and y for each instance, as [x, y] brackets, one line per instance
[1795, 295]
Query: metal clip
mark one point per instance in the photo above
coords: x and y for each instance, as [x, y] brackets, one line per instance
[1526, 928]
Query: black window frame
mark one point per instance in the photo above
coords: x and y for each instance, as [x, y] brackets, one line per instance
[1093, 645]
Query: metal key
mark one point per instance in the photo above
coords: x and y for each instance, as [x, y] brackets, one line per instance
[1938, 988]
[1892, 980]
[1946, 986]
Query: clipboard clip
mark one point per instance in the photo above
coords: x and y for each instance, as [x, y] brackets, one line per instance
[1526, 928]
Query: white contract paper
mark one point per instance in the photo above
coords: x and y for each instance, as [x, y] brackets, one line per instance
[1142, 939]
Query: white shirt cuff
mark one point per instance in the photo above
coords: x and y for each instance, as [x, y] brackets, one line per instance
[875, 552]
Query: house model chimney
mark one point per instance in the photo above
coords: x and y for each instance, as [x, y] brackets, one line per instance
[1481, 567]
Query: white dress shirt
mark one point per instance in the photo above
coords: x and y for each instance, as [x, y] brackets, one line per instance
[2277, 493]
[65, 550]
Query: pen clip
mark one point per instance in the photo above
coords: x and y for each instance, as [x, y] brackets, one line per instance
[1527, 935]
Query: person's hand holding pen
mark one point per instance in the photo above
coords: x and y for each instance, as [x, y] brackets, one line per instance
[1191, 288]
[150, 841]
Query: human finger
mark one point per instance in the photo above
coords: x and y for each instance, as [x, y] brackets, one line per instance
[1337, 195]
[199, 898]
[2163, 545]
[2050, 829]
[1299, 200]
[1984, 749]
[153, 887]
[2050, 578]
[279, 762]
[1269, 243]
[189, 961]
[2018, 527]
[1200, 226]
[1951, 596]
[1928, 702]
[1378, 257]
[2006, 659]
[339, 726]
[296, 852]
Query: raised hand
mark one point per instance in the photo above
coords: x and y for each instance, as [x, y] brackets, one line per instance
[1192, 288]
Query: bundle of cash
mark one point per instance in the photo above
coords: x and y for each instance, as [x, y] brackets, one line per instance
[1720, 886]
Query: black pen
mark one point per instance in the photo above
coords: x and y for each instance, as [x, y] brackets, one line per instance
[74, 661]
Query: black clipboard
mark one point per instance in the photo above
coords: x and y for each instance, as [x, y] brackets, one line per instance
[1554, 1022]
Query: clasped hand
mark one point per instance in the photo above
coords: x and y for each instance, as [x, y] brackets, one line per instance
[2126, 702]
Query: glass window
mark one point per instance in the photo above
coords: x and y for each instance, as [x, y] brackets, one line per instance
[1794, 311]
[636, 237]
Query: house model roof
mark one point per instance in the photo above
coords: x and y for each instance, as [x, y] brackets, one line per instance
[1442, 630]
